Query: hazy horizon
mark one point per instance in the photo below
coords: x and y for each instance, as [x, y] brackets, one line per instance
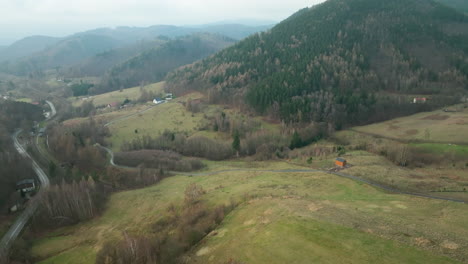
[23, 18]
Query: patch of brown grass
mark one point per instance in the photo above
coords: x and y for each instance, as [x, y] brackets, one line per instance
[436, 117]
[412, 132]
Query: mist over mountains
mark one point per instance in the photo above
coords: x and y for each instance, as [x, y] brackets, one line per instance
[37, 53]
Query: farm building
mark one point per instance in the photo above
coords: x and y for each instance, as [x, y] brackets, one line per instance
[26, 186]
[419, 100]
[114, 104]
[158, 100]
[340, 162]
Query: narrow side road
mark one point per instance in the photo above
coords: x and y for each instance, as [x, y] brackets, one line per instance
[53, 111]
[339, 174]
[15, 230]
[21, 221]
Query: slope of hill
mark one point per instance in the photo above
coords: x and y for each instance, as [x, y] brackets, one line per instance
[132, 34]
[460, 5]
[234, 31]
[100, 63]
[97, 65]
[42, 53]
[329, 62]
[153, 65]
[307, 217]
[66, 52]
[26, 46]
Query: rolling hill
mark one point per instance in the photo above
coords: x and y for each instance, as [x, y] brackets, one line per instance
[131, 34]
[66, 52]
[99, 64]
[110, 46]
[26, 46]
[330, 63]
[153, 65]
[460, 5]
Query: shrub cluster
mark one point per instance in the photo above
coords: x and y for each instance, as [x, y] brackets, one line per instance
[158, 159]
[172, 235]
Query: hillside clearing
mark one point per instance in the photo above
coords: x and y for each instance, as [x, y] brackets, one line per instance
[329, 209]
[436, 126]
[168, 116]
[174, 116]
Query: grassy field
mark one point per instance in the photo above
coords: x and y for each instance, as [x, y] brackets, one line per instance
[448, 179]
[439, 126]
[424, 179]
[24, 100]
[119, 96]
[172, 116]
[443, 148]
[288, 218]
[107, 115]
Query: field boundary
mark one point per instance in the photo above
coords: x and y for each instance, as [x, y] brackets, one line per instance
[408, 141]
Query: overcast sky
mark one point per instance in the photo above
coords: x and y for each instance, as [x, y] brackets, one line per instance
[20, 18]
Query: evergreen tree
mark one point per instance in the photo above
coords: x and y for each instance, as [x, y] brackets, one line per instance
[296, 141]
[236, 142]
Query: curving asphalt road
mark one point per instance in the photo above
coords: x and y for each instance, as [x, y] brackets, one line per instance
[14, 231]
[339, 174]
[53, 111]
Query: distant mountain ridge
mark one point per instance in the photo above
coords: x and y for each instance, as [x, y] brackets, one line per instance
[35, 54]
[26, 47]
[460, 5]
[64, 52]
[132, 34]
[332, 61]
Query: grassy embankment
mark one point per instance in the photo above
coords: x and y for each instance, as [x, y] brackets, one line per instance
[437, 126]
[288, 217]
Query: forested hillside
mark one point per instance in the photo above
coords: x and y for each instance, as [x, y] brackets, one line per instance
[66, 52]
[153, 65]
[26, 46]
[99, 64]
[461, 5]
[333, 62]
[34, 55]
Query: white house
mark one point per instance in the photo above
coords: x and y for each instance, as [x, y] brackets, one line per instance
[158, 101]
[26, 186]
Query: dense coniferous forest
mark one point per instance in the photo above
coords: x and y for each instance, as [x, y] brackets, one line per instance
[341, 62]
